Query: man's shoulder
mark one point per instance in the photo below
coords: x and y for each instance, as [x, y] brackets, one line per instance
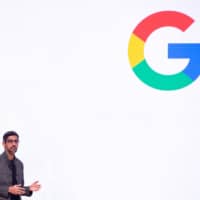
[17, 160]
[2, 155]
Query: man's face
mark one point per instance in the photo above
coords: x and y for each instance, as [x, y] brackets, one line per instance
[11, 144]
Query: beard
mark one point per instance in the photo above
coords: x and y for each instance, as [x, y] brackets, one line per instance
[12, 150]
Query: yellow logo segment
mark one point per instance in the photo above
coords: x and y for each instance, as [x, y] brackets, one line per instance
[135, 50]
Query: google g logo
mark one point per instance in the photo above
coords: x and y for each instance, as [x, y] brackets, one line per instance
[175, 50]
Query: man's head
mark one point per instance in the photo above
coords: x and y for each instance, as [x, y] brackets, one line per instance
[10, 142]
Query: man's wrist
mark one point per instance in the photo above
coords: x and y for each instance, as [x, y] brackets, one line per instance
[10, 189]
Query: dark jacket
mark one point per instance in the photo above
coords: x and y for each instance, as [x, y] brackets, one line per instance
[6, 176]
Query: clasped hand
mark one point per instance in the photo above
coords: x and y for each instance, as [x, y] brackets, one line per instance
[16, 190]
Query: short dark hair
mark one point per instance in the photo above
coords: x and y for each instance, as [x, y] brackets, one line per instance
[9, 133]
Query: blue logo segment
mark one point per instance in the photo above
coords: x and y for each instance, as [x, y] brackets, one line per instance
[190, 51]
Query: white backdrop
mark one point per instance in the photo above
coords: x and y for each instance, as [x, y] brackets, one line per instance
[89, 128]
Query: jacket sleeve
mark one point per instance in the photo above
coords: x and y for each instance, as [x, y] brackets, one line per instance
[4, 191]
[27, 190]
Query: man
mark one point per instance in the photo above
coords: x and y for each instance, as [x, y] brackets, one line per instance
[11, 171]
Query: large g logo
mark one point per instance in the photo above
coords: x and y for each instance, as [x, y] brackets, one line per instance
[175, 50]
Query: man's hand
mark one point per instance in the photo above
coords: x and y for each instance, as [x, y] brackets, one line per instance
[16, 190]
[34, 186]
